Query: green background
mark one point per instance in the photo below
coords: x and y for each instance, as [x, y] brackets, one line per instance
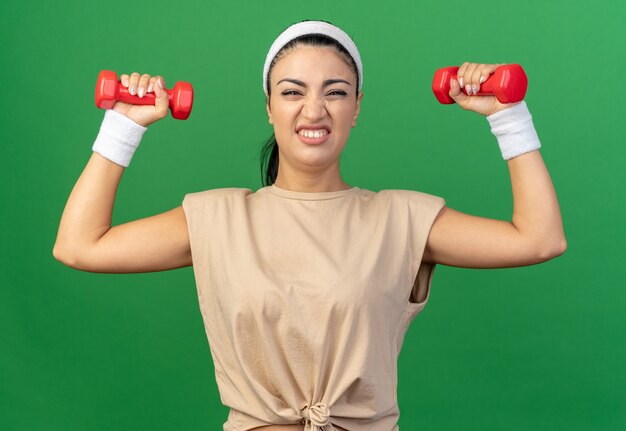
[533, 348]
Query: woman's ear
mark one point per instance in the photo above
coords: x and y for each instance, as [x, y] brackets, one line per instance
[267, 108]
[358, 108]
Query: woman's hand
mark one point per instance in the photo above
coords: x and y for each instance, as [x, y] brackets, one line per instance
[471, 76]
[140, 85]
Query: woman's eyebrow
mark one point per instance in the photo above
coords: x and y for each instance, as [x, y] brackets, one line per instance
[325, 84]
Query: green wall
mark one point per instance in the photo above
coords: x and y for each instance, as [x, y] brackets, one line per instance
[532, 348]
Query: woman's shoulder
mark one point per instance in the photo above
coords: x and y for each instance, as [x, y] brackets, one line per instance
[209, 195]
[403, 195]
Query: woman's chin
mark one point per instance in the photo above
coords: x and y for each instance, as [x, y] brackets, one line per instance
[311, 156]
[316, 157]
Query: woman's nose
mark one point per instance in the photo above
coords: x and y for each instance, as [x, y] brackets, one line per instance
[314, 107]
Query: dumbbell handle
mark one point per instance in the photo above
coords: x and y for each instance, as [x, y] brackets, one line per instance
[508, 83]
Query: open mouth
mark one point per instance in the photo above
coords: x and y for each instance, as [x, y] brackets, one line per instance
[313, 134]
[313, 137]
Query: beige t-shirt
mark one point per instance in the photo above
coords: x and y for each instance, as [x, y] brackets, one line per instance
[306, 298]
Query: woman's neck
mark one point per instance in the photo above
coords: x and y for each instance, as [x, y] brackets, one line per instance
[298, 181]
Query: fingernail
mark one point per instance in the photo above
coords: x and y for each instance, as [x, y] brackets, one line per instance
[149, 88]
[132, 90]
[468, 89]
[474, 89]
[461, 81]
[141, 92]
[482, 79]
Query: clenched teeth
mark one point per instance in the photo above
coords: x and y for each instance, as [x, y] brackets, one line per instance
[313, 134]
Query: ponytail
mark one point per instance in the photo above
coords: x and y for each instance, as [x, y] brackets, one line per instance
[269, 161]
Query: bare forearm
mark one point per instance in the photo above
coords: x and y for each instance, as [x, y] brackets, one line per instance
[88, 211]
[536, 212]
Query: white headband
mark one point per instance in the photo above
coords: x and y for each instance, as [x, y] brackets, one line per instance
[313, 27]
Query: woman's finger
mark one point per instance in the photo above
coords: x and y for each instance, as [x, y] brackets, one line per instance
[486, 71]
[475, 79]
[142, 86]
[133, 82]
[161, 103]
[456, 94]
[468, 79]
[461, 74]
[124, 80]
[151, 84]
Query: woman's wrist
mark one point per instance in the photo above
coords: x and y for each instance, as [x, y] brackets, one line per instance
[118, 138]
[514, 129]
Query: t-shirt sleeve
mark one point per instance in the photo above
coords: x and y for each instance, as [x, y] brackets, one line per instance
[204, 211]
[423, 210]
[197, 209]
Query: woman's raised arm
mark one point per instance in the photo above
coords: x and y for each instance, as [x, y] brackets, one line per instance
[535, 233]
[86, 240]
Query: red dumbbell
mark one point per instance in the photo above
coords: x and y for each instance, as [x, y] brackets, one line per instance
[109, 90]
[508, 83]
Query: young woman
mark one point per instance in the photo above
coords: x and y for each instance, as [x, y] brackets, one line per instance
[308, 285]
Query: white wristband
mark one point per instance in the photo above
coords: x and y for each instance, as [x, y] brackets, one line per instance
[514, 129]
[118, 138]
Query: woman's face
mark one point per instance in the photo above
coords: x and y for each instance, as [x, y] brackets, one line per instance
[312, 93]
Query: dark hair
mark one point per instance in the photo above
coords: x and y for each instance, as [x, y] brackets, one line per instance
[269, 150]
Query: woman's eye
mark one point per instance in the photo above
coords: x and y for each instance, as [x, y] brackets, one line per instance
[296, 93]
